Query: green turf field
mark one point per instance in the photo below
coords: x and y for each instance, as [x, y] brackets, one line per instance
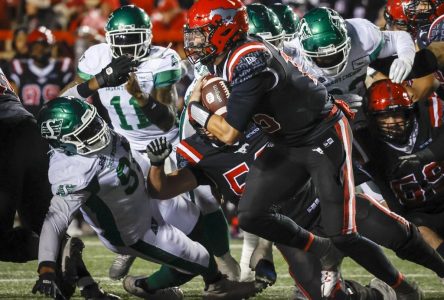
[16, 280]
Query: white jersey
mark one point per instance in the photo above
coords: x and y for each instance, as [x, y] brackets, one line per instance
[161, 69]
[108, 187]
[367, 43]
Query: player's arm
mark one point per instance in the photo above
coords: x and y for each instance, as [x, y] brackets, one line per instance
[160, 185]
[244, 97]
[114, 74]
[158, 106]
[400, 43]
[54, 227]
[437, 48]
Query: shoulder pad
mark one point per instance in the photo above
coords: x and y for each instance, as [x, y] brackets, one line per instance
[246, 61]
[94, 60]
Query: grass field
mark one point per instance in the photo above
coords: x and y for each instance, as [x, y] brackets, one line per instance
[16, 280]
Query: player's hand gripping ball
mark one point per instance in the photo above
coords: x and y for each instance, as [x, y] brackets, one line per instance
[215, 93]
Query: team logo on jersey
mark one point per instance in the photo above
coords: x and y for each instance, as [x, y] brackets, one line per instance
[65, 189]
[250, 60]
[227, 15]
[318, 150]
[51, 128]
[242, 149]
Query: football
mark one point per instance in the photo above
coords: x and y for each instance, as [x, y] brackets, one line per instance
[215, 94]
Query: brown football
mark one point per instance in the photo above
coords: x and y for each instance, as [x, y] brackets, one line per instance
[215, 94]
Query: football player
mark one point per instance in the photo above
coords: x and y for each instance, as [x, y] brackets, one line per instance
[307, 126]
[204, 160]
[337, 52]
[413, 16]
[128, 33]
[25, 190]
[411, 137]
[92, 169]
[40, 78]
[288, 18]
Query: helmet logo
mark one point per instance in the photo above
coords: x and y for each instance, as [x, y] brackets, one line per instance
[51, 128]
[126, 26]
[227, 15]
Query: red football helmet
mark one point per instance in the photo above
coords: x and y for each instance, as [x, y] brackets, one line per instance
[212, 28]
[390, 111]
[409, 15]
[41, 35]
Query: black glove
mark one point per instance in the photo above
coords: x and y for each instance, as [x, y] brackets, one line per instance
[116, 72]
[46, 284]
[407, 164]
[158, 150]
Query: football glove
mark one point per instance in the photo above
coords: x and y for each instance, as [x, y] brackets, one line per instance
[407, 164]
[46, 284]
[116, 72]
[399, 70]
[158, 150]
[354, 101]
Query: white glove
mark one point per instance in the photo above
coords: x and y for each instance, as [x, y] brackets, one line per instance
[399, 70]
[353, 100]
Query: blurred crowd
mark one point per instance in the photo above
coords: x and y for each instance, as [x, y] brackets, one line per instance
[79, 23]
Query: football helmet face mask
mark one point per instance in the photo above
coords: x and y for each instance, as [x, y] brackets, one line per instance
[324, 40]
[288, 18]
[73, 126]
[128, 32]
[390, 111]
[264, 22]
[213, 26]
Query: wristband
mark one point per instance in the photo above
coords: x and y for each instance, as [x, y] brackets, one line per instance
[84, 90]
[198, 113]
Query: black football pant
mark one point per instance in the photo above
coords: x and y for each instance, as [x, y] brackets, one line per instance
[24, 188]
[376, 223]
[278, 173]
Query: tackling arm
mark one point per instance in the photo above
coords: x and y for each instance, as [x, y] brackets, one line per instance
[162, 186]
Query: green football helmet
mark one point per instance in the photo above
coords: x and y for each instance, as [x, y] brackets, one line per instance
[73, 125]
[288, 18]
[324, 40]
[128, 31]
[263, 22]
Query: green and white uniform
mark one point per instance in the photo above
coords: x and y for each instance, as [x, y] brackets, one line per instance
[162, 68]
[108, 188]
[367, 44]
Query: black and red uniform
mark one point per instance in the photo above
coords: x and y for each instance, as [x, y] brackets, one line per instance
[36, 85]
[416, 192]
[311, 139]
[24, 184]
[226, 167]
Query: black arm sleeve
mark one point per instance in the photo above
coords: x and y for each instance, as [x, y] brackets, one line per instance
[424, 64]
[155, 111]
[245, 97]
[434, 151]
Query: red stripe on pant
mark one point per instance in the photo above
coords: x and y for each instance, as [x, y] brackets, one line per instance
[343, 131]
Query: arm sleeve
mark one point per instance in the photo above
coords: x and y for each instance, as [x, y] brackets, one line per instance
[245, 97]
[424, 64]
[400, 43]
[56, 222]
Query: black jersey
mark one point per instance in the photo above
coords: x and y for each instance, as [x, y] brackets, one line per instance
[268, 88]
[226, 168]
[420, 189]
[11, 109]
[36, 86]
